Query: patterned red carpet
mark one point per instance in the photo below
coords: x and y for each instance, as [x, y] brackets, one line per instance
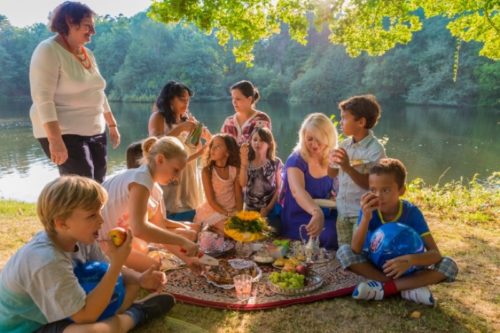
[192, 289]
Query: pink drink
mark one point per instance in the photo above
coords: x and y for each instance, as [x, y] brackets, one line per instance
[243, 286]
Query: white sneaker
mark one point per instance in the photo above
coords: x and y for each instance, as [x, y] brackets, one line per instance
[370, 290]
[420, 295]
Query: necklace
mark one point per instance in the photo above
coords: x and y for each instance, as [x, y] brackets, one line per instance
[220, 167]
[84, 60]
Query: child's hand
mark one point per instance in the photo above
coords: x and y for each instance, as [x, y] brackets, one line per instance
[194, 265]
[191, 249]
[153, 280]
[218, 228]
[264, 212]
[396, 267]
[188, 125]
[244, 150]
[341, 158]
[119, 254]
[369, 202]
[205, 134]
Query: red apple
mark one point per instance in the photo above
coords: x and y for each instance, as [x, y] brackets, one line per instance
[301, 269]
[118, 235]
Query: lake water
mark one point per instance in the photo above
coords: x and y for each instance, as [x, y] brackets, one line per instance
[433, 142]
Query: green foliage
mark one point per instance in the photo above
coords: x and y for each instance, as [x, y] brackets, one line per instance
[476, 201]
[137, 56]
[245, 22]
[372, 26]
[489, 87]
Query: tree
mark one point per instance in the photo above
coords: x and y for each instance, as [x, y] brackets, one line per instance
[373, 26]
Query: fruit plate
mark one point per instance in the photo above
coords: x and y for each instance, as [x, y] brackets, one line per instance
[237, 264]
[313, 282]
[168, 261]
[227, 247]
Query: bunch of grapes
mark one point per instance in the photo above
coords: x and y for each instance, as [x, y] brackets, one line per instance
[287, 280]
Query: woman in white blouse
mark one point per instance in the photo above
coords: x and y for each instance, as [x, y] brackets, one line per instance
[70, 109]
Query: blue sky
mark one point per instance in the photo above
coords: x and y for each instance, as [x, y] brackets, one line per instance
[22, 13]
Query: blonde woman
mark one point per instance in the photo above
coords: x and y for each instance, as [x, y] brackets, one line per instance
[305, 177]
[129, 193]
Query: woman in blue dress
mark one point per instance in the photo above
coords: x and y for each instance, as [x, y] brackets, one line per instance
[305, 178]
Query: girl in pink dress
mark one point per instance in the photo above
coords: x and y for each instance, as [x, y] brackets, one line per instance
[222, 191]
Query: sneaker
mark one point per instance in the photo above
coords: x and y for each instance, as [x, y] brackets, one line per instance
[152, 306]
[420, 295]
[370, 290]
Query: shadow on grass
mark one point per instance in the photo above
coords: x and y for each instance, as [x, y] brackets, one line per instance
[336, 315]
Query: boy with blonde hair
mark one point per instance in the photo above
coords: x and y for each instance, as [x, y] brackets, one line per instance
[39, 290]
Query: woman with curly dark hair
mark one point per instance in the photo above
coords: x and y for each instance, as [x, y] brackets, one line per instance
[171, 117]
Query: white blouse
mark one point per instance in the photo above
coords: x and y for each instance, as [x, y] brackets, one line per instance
[62, 90]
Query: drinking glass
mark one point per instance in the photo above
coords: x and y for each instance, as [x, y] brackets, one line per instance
[243, 250]
[331, 163]
[243, 286]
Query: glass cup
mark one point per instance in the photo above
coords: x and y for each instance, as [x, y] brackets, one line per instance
[331, 163]
[243, 250]
[243, 286]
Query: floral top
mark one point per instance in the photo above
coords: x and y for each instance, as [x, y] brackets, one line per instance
[244, 133]
[261, 184]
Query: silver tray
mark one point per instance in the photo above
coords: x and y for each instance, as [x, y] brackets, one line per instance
[227, 247]
[313, 282]
[237, 264]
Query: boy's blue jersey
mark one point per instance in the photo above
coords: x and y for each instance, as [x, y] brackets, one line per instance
[408, 214]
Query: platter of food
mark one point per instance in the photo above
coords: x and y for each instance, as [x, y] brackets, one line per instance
[227, 247]
[222, 275]
[287, 263]
[291, 284]
[355, 163]
[168, 261]
[246, 227]
[263, 257]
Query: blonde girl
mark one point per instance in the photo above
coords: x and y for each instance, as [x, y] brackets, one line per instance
[129, 193]
[305, 178]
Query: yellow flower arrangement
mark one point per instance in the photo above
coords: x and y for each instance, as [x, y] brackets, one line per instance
[246, 226]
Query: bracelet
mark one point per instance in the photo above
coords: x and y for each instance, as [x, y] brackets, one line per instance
[112, 125]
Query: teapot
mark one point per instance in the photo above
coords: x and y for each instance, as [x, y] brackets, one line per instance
[311, 246]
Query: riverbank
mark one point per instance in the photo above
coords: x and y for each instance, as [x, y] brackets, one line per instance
[464, 220]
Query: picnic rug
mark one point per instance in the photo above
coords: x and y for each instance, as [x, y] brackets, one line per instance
[193, 289]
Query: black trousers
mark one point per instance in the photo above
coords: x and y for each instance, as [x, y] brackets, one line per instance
[87, 155]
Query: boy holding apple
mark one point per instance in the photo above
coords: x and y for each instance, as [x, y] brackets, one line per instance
[382, 205]
[39, 290]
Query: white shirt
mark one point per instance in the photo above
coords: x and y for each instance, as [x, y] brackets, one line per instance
[38, 285]
[368, 151]
[115, 211]
[62, 90]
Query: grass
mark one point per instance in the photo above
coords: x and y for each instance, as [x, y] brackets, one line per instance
[464, 220]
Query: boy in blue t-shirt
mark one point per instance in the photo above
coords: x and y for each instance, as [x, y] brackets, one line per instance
[383, 205]
[38, 287]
